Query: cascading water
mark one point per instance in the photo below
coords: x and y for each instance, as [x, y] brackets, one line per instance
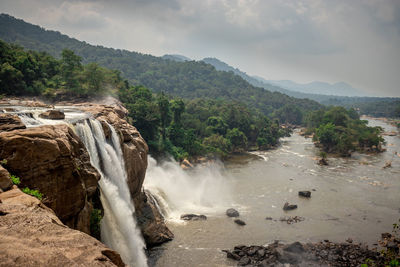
[204, 190]
[118, 226]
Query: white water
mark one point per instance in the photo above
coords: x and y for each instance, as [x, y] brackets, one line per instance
[118, 226]
[203, 190]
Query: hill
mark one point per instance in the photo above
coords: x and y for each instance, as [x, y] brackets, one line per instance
[187, 79]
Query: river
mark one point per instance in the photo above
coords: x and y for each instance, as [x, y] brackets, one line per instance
[351, 198]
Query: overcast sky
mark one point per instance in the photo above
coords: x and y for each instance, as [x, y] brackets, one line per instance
[352, 41]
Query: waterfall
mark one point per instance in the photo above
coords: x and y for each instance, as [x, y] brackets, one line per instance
[204, 190]
[118, 226]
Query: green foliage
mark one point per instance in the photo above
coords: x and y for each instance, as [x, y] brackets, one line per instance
[33, 73]
[15, 180]
[188, 80]
[3, 162]
[95, 220]
[341, 131]
[32, 192]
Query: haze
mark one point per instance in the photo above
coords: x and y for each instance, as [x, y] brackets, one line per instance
[357, 42]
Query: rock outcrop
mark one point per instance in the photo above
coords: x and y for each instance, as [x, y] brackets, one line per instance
[53, 160]
[32, 235]
[151, 221]
[53, 114]
[5, 182]
[9, 122]
[135, 150]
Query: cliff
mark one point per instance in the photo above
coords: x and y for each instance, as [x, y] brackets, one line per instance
[53, 160]
[32, 235]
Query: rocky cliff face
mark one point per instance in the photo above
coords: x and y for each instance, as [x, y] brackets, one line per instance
[135, 151]
[32, 235]
[53, 160]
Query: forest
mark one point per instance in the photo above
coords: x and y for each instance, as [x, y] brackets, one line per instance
[182, 128]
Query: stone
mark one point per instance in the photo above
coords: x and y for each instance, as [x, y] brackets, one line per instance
[244, 261]
[52, 114]
[239, 222]
[53, 160]
[193, 217]
[232, 213]
[5, 181]
[32, 235]
[295, 247]
[152, 222]
[186, 165]
[268, 218]
[288, 206]
[10, 122]
[305, 194]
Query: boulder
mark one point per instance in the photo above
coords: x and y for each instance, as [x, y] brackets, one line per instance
[193, 217]
[186, 165]
[53, 160]
[232, 213]
[32, 235]
[305, 194]
[10, 122]
[288, 206]
[239, 222]
[295, 247]
[5, 181]
[52, 114]
[151, 221]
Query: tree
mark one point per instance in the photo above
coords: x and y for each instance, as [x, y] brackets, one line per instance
[71, 69]
[237, 138]
[165, 114]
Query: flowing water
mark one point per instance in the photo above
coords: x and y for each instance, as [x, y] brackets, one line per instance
[118, 226]
[352, 197]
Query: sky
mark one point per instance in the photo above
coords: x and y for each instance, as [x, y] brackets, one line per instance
[355, 41]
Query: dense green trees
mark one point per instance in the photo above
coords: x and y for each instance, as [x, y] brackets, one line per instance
[32, 73]
[341, 131]
[197, 127]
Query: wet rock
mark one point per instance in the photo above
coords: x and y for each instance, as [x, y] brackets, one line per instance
[53, 114]
[186, 165]
[323, 162]
[244, 261]
[288, 206]
[10, 122]
[268, 218]
[193, 217]
[239, 222]
[232, 255]
[295, 247]
[305, 193]
[232, 213]
[291, 220]
[152, 222]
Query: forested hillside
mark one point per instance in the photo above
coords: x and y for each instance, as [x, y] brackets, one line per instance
[185, 79]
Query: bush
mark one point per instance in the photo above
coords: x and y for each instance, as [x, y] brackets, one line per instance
[32, 192]
[15, 180]
[95, 219]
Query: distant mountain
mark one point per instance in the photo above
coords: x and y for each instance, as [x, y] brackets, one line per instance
[322, 88]
[178, 58]
[188, 79]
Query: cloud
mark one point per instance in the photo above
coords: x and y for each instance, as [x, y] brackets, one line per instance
[354, 41]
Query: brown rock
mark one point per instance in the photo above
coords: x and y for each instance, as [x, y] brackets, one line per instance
[53, 160]
[53, 114]
[5, 182]
[9, 122]
[32, 235]
[151, 221]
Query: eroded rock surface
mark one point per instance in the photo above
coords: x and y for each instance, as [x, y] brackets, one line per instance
[32, 235]
[53, 114]
[53, 160]
[9, 122]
